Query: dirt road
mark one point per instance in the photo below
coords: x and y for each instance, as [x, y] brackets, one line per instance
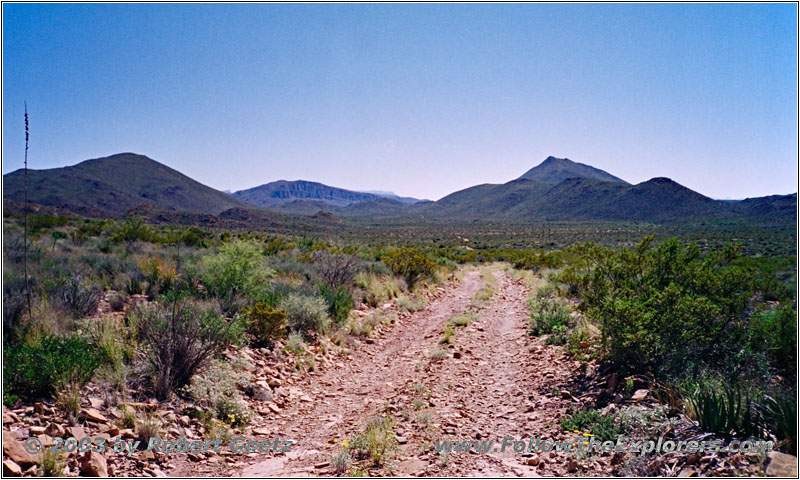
[494, 382]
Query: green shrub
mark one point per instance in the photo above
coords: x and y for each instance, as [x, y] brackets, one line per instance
[547, 315]
[339, 302]
[265, 324]
[591, 421]
[410, 264]
[235, 274]
[775, 333]
[306, 314]
[665, 307]
[181, 338]
[42, 369]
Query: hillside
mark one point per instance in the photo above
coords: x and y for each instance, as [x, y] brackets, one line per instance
[116, 184]
[282, 191]
[555, 170]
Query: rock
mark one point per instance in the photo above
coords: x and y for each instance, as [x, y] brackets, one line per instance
[274, 382]
[321, 465]
[55, 430]
[263, 431]
[781, 465]
[7, 417]
[639, 395]
[565, 395]
[36, 429]
[400, 439]
[113, 431]
[533, 461]
[262, 394]
[411, 466]
[77, 432]
[15, 451]
[93, 415]
[274, 408]
[94, 465]
[687, 472]
[11, 469]
[572, 466]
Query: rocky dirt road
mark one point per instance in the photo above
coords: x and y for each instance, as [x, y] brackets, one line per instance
[495, 382]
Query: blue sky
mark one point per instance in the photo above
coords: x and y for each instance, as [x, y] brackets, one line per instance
[421, 100]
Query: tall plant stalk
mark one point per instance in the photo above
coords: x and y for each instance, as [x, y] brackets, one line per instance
[25, 216]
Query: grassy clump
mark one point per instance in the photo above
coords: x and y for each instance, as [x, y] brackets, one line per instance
[376, 443]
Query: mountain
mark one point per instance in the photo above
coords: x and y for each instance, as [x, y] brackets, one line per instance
[301, 196]
[560, 189]
[113, 185]
[394, 196]
[555, 170]
[282, 191]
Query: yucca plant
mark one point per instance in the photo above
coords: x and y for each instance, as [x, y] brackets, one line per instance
[780, 417]
[726, 412]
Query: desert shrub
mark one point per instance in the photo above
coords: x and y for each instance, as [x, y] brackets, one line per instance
[68, 401]
[600, 426]
[438, 354]
[447, 335]
[15, 305]
[234, 274]
[339, 302]
[376, 443]
[548, 316]
[295, 344]
[41, 369]
[217, 390]
[775, 333]
[117, 302]
[148, 427]
[336, 270]
[306, 314]
[665, 307]
[179, 339]
[340, 462]
[112, 340]
[462, 319]
[159, 275]
[410, 303]
[265, 324]
[410, 264]
[78, 299]
[52, 464]
[131, 231]
[378, 288]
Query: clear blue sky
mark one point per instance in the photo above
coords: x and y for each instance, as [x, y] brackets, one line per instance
[421, 100]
